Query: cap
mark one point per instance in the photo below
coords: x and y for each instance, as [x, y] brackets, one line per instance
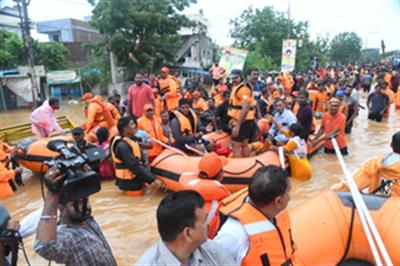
[211, 164]
[87, 96]
[236, 72]
[78, 131]
[165, 70]
[339, 93]
[148, 106]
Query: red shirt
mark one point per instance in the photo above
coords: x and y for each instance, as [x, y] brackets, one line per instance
[330, 123]
[138, 97]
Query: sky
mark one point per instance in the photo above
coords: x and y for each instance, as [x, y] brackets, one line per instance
[372, 20]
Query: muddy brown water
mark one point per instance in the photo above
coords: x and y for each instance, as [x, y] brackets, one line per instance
[129, 223]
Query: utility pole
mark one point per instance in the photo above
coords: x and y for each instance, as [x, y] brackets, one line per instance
[288, 26]
[28, 51]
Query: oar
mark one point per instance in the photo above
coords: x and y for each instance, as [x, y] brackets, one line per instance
[169, 147]
[194, 150]
[281, 157]
[365, 216]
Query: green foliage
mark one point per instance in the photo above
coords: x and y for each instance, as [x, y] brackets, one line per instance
[346, 47]
[261, 31]
[142, 34]
[370, 56]
[52, 55]
[309, 49]
[11, 48]
[97, 70]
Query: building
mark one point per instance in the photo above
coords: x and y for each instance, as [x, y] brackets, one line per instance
[10, 19]
[196, 48]
[69, 30]
[73, 34]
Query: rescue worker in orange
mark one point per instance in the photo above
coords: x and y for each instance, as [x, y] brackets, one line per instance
[9, 178]
[333, 122]
[185, 128]
[242, 113]
[198, 103]
[208, 183]
[381, 174]
[97, 113]
[113, 109]
[258, 230]
[131, 174]
[152, 125]
[169, 89]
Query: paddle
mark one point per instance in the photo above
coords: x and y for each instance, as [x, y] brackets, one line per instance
[365, 216]
[194, 150]
[281, 157]
[169, 147]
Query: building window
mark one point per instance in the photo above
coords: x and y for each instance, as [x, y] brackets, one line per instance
[56, 37]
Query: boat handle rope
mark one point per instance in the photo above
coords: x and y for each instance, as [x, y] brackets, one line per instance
[248, 169]
[370, 229]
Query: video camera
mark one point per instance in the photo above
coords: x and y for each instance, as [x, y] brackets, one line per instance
[76, 183]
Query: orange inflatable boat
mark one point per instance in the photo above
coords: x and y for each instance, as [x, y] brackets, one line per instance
[222, 140]
[32, 153]
[170, 165]
[327, 230]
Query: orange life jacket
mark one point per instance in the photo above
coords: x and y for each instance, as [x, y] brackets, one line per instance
[102, 113]
[6, 175]
[184, 123]
[270, 243]
[212, 192]
[121, 170]
[235, 103]
[155, 132]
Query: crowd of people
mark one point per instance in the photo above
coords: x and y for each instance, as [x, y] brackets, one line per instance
[295, 111]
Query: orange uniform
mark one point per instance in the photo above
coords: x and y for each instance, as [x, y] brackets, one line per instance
[170, 86]
[158, 105]
[200, 105]
[321, 99]
[271, 243]
[98, 114]
[397, 99]
[240, 94]
[5, 174]
[154, 129]
[114, 112]
[212, 192]
[380, 172]
[330, 123]
[288, 83]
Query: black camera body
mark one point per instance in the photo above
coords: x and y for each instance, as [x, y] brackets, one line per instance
[76, 183]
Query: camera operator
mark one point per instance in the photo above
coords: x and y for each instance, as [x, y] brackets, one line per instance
[78, 239]
[7, 227]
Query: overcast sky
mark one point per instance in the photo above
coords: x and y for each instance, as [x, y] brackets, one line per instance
[372, 20]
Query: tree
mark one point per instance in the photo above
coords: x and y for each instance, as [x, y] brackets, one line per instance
[52, 55]
[346, 47]
[261, 31]
[310, 49]
[142, 34]
[11, 49]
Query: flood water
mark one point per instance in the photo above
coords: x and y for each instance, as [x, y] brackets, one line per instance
[129, 223]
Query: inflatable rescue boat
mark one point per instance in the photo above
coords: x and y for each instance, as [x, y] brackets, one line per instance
[327, 229]
[170, 165]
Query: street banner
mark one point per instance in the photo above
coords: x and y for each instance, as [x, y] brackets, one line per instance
[232, 58]
[288, 55]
